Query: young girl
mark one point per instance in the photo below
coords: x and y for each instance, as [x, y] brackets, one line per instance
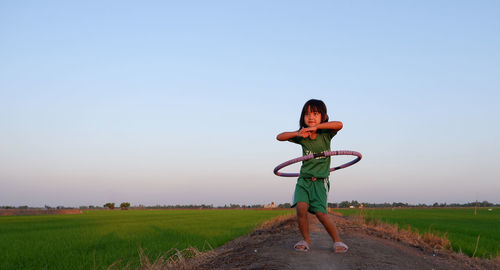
[311, 190]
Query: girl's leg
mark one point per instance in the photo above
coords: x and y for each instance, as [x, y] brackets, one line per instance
[329, 226]
[303, 222]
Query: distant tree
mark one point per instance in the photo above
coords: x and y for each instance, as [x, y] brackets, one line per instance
[344, 204]
[368, 205]
[285, 205]
[124, 205]
[110, 205]
[399, 204]
[355, 203]
[333, 205]
[385, 205]
[486, 203]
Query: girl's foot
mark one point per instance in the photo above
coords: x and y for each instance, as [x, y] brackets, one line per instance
[302, 245]
[340, 247]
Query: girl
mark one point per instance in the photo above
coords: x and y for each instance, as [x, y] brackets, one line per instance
[311, 190]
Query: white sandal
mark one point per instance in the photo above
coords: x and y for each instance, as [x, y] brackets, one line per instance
[338, 245]
[301, 243]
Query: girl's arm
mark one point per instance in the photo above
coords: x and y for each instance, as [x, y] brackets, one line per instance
[285, 136]
[333, 125]
[305, 132]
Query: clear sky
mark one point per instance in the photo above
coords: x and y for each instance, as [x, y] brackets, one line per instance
[180, 102]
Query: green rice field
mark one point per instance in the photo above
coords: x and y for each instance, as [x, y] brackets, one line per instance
[97, 239]
[461, 226]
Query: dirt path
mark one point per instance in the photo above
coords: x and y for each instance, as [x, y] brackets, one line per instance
[272, 248]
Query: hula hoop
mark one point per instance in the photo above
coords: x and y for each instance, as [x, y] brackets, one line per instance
[323, 154]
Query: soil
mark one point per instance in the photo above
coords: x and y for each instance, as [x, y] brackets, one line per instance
[28, 212]
[272, 248]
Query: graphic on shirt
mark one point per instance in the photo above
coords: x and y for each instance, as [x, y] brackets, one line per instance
[308, 152]
[318, 167]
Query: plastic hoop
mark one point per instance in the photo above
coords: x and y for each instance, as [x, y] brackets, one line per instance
[323, 154]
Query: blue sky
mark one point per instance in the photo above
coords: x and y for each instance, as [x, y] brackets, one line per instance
[180, 103]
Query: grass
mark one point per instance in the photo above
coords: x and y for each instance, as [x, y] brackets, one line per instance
[459, 225]
[97, 239]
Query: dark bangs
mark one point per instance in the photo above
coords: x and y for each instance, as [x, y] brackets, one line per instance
[314, 105]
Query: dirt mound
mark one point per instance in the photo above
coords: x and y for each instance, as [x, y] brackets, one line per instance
[27, 212]
[272, 248]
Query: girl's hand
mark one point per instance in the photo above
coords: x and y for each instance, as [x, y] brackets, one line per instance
[306, 132]
[310, 129]
[302, 133]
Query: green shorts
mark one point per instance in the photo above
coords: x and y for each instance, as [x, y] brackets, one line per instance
[314, 193]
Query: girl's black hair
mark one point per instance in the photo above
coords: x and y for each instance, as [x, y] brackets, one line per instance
[314, 105]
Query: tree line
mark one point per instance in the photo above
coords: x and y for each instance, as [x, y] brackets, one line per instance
[343, 204]
[356, 204]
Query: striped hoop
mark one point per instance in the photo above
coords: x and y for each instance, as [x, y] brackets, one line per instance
[323, 154]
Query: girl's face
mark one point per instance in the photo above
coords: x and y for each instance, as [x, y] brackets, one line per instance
[312, 118]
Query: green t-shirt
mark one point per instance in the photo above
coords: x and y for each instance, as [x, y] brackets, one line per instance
[317, 167]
